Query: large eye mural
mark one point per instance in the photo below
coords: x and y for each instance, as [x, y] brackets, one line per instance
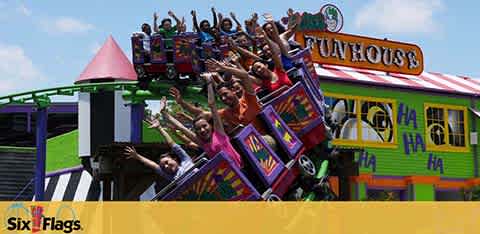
[343, 119]
[375, 120]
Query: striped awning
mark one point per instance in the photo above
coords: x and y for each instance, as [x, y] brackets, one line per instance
[72, 184]
[427, 81]
[76, 184]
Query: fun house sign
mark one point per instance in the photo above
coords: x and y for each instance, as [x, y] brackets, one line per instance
[362, 52]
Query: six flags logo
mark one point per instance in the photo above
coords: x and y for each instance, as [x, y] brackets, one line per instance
[38, 221]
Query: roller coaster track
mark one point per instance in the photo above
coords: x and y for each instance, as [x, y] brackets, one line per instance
[131, 92]
[42, 97]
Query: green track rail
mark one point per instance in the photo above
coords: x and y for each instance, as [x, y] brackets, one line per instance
[42, 97]
[131, 92]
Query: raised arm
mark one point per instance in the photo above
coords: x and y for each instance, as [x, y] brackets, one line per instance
[242, 51]
[180, 127]
[239, 25]
[217, 121]
[155, 25]
[167, 137]
[130, 152]
[275, 52]
[177, 20]
[239, 73]
[236, 61]
[220, 19]
[182, 27]
[292, 26]
[185, 105]
[188, 142]
[215, 20]
[276, 37]
[194, 19]
[288, 33]
[217, 79]
[154, 123]
[182, 116]
[251, 23]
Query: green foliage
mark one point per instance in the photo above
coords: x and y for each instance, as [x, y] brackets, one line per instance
[148, 112]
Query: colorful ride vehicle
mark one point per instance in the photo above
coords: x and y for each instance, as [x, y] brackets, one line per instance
[268, 174]
[185, 58]
[265, 176]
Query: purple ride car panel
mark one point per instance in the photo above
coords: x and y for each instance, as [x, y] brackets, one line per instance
[282, 133]
[265, 161]
[157, 50]
[184, 46]
[137, 48]
[309, 77]
[219, 180]
[298, 109]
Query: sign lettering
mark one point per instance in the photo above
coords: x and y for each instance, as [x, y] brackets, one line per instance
[362, 52]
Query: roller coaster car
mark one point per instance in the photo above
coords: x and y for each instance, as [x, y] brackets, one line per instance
[300, 109]
[266, 175]
[130, 176]
[218, 180]
[185, 58]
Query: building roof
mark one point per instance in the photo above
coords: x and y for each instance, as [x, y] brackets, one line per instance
[427, 81]
[109, 63]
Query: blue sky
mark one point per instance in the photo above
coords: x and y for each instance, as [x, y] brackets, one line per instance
[48, 43]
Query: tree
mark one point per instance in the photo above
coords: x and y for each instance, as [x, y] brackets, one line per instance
[147, 112]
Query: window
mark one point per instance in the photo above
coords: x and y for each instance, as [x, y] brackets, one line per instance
[361, 121]
[445, 127]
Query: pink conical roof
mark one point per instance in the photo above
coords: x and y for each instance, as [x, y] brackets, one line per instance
[109, 63]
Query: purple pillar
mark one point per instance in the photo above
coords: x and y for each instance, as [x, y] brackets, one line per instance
[41, 141]
[136, 123]
[29, 122]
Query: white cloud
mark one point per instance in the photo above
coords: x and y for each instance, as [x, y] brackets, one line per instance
[400, 16]
[95, 47]
[17, 70]
[66, 25]
[24, 10]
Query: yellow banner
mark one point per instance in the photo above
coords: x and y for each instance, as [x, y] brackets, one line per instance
[243, 217]
[362, 52]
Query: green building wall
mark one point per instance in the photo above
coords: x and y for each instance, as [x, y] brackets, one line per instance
[424, 192]
[394, 161]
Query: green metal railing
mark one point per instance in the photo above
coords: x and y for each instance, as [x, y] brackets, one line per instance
[42, 97]
[131, 92]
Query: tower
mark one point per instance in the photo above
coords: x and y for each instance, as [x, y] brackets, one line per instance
[103, 116]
